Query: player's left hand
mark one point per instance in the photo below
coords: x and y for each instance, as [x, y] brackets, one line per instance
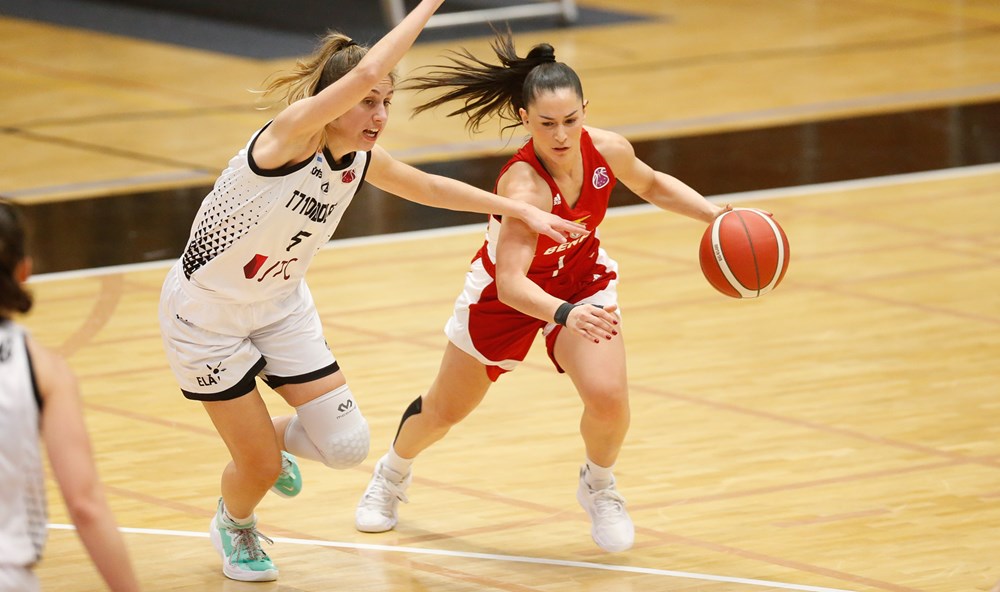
[594, 323]
[557, 228]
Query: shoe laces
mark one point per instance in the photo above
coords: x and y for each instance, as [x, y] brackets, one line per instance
[248, 540]
[382, 491]
[608, 503]
[286, 469]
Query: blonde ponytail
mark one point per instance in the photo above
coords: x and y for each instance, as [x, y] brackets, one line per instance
[335, 56]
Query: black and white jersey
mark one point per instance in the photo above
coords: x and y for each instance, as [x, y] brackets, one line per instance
[23, 515]
[257, 230]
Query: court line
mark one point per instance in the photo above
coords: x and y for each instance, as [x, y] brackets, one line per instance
[743, 196]
[493, 557]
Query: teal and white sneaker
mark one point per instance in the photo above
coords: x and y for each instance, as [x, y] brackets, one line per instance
[242, 557]
[289, 483]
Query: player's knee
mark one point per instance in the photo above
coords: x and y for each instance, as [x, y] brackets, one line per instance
[609, 404]
[330, 429]
[446, 416]
[347, 448]
[261, 472]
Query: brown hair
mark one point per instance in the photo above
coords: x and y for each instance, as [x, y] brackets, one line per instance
[335, 55]
[13, 296]
[496, 90]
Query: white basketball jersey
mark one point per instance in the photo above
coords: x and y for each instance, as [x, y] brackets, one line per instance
[257, 230]
[22, 506]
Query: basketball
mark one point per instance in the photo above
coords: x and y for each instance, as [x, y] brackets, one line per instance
[744, 253]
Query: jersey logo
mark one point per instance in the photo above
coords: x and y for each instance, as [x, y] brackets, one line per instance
[280, 268]
[347, 176]
[557, 199]
[601, 178]
[253, 266]
[211, 379]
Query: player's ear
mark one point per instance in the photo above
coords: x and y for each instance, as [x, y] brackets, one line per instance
[523, 114]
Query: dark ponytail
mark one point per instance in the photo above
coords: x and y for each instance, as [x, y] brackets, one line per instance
[13, 296]
[499, 90]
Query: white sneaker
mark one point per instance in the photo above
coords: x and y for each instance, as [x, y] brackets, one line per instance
[611, 527]
[377, 510]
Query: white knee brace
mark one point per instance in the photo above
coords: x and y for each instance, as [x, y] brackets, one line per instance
[329, 429]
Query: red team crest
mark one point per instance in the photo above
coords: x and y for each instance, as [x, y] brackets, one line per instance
[347, 176]
[601, 177]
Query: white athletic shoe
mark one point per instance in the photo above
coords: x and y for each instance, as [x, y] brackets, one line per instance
[377, 510]
[611, 527]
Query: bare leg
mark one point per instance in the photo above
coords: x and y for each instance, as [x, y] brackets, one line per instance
[460, 386]
[246, 428]
[598, 372]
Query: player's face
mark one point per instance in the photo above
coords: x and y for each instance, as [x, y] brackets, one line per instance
[555, 121]
[360, 128]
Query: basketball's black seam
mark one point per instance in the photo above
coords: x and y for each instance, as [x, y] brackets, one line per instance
[756, 265]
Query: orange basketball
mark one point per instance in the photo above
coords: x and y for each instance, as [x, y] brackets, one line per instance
[744, 253]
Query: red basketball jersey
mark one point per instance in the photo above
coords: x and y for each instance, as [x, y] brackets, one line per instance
[500, 336]
[558, 268]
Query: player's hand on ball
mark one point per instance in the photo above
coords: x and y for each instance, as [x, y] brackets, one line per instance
[593, 322]
[724, 209]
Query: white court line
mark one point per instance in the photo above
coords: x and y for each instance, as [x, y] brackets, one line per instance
[759, 195]
[493, 557]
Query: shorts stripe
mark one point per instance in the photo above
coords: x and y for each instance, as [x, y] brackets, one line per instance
[276, 381]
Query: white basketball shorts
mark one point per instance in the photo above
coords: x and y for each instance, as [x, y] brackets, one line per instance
[216, 350]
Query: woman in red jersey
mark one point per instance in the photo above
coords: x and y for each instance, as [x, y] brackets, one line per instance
[521, 283]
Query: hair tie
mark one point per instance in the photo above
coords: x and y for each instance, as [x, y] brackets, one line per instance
[349, 43]
[542, 54]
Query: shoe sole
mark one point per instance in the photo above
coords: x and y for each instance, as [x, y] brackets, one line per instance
[593, 534]
[285, 495]
[239, 575]
[374, 529]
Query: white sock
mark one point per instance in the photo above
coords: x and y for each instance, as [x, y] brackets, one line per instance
[237, 521]
[598, 477]
[395, 467]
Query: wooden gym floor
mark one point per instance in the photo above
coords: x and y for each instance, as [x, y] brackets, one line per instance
[838, 434]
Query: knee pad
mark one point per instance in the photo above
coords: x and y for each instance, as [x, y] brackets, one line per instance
[329, 429]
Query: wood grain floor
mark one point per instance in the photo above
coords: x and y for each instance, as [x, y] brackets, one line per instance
[839, 434]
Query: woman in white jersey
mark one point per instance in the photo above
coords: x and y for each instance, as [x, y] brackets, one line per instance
[521, 283]
[236, 305]
[39, 398]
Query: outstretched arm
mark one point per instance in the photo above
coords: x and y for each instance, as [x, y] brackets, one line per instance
[398, 178]
[294, 134]
[659, 189]
[68, 447]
